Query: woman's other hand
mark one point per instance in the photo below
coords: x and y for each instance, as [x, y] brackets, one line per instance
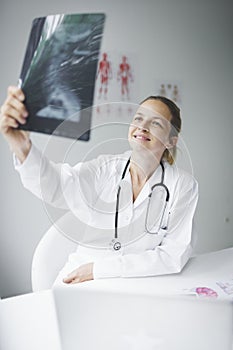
[81, 274]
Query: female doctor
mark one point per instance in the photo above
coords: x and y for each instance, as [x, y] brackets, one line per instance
[140, 196]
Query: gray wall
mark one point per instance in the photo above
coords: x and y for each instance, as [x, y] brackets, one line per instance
[177, 39]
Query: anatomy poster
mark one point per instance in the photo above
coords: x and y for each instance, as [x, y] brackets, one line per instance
[124, 78]
[104, 77]
[170, 89]
[116, 86]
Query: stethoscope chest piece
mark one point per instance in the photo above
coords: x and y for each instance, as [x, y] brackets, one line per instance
[115, 244]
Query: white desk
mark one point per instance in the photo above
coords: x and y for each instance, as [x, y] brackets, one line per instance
[201, 271]
[29, 322]
[120, 314]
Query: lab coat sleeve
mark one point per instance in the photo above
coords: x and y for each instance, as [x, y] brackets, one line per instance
[41, 177]
[174, 251]
[62, 185]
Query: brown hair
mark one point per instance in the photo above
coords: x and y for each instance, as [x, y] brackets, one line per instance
[169, 154]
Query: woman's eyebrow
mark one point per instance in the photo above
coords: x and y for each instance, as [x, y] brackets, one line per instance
[156, 117]
[153, 116]
[150, 114]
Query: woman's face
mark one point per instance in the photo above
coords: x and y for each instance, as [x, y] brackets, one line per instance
[150, 128]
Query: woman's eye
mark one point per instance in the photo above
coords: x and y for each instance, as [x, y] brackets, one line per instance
[156, 123]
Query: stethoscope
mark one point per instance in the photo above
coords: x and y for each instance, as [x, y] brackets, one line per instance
[115, 243]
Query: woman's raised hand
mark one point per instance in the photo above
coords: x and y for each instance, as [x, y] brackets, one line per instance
[14, 113]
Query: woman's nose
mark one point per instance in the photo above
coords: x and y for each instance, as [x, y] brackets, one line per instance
[143, 127]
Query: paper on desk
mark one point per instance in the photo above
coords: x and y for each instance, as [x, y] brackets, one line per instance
[226, 286]
[211, 289]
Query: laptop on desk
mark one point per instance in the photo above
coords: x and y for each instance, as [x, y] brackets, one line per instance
[94, 319]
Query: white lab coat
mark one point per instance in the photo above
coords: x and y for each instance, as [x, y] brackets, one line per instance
[89, 190]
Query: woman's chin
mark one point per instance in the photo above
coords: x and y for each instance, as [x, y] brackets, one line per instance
[138, 145]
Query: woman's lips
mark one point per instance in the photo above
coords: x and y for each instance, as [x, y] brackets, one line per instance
[141, 137]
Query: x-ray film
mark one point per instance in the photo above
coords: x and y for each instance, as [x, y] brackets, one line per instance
[59, 73]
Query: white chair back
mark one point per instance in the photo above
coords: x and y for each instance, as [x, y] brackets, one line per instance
[52, 253]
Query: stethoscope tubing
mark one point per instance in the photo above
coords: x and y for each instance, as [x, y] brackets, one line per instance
[115, 243]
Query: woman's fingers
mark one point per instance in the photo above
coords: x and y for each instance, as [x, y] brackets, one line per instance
[81, 274]
[8, 110]
[71, 276]
[13, 107]
[76, 280]
[17, 104]
[16, 92]
[8, 122]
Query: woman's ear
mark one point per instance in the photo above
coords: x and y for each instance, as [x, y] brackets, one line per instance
[172, 142]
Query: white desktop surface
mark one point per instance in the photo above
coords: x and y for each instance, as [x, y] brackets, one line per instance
[126, 313]
[155, 313]
[29, 322]
[201, 271]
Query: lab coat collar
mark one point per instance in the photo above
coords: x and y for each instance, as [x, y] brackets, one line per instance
[145, 191]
